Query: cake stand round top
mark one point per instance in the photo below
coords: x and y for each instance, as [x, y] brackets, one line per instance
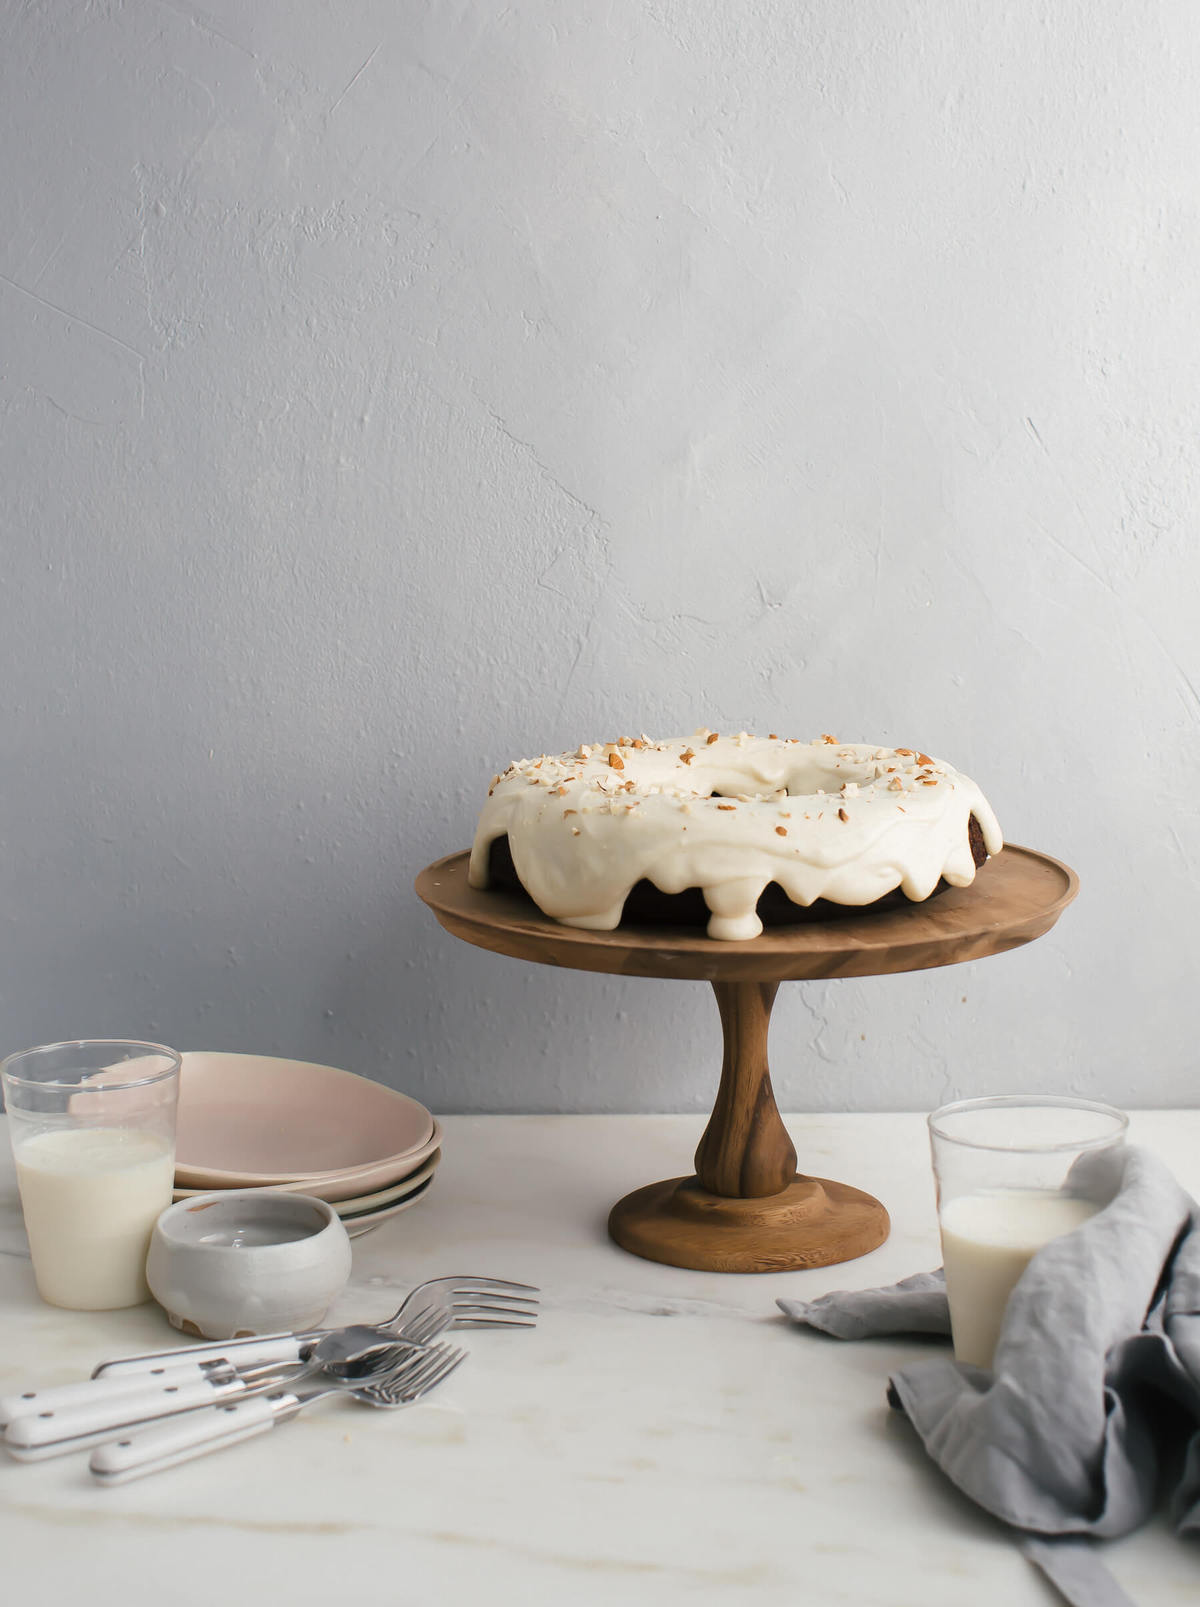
[1016, 897]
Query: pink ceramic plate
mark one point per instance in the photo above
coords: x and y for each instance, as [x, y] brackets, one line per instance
[338, 1185]
[343, 1199]
[356, 1225]
[250, 1119]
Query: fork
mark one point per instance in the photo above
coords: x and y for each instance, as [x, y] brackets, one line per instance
[431, 1308]
[466, 1301]
[56, 1432]
[197, 1433]
[186, 1381]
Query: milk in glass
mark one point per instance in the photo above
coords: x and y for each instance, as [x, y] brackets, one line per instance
[988, 1239]
[91, 1196]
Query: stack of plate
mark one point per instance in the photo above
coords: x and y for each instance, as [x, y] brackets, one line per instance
[251, 1121]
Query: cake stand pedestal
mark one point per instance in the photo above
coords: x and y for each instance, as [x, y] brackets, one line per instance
[747, 1209]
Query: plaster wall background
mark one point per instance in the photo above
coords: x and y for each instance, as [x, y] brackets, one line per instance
[388, 390]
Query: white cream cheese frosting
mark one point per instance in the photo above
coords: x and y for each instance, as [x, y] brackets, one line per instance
[843, 821]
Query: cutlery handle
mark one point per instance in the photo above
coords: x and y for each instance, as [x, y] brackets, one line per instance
[282, 1348]
[184, 1438]
[108, 1387]
[52, 1433]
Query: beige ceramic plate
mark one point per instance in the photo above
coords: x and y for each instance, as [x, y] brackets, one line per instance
[246, 1120]
[343, 1185]
[355, 1225]
[399, 1191]
[359, 1202]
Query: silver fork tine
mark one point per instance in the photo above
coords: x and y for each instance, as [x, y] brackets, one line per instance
[440, 1368]
[426, 1325]
[495, 1284]
[498, 1295]
[489, 1322]
[433, 1367]
[475, 1308]
[403, 1370]
[518, 1304]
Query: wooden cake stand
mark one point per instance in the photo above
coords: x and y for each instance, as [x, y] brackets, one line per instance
[746, 1209]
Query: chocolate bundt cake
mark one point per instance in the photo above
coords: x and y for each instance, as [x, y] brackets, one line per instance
[740, 830]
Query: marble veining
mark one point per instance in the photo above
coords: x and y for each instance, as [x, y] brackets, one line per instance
[717, 1456]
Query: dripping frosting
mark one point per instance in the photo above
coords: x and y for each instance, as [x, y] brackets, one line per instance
[846, 822]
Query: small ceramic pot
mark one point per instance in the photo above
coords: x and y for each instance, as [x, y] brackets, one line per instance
[247, 1261]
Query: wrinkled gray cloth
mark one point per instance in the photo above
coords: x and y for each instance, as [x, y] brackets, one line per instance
[1094, 1397]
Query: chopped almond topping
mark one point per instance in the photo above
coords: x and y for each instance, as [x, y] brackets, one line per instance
[772, 736]
[832, 741]
[923, 758]
[574, 831]
[686, 756]
[895, 784]
[567, 812]
[629, 786]
[623, 742]
[637, 743]
[781, 831]
[907, 752]
[711, 738]
[842, 815]
[616, 762]
[929, 781]
[727, 806]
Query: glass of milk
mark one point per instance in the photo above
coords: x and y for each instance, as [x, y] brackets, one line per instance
[92, 1125]
[1012, 1173]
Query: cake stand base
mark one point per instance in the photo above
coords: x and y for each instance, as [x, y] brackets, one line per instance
[813, 1222]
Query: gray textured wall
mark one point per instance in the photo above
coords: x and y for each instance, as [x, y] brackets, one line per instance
[388, 390]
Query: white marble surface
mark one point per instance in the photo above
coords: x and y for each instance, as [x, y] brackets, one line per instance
[663, 1436]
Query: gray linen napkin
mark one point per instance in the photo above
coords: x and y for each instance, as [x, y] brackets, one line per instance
[1095, 1392]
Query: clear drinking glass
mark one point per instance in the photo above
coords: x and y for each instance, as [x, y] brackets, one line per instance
[1012, 1173]
[92, 1125]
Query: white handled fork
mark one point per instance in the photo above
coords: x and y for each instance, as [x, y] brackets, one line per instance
[195, 1434]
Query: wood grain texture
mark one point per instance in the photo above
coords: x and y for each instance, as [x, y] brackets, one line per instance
[813, 1223]
[1016, 897]
[745, 1152]
[747, 1210]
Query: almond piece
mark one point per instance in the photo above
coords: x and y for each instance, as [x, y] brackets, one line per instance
[923, 758]
[686, 756]
[711, 738]
[727, 806]
[616, 762]
[781, 831]
[842, 815]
